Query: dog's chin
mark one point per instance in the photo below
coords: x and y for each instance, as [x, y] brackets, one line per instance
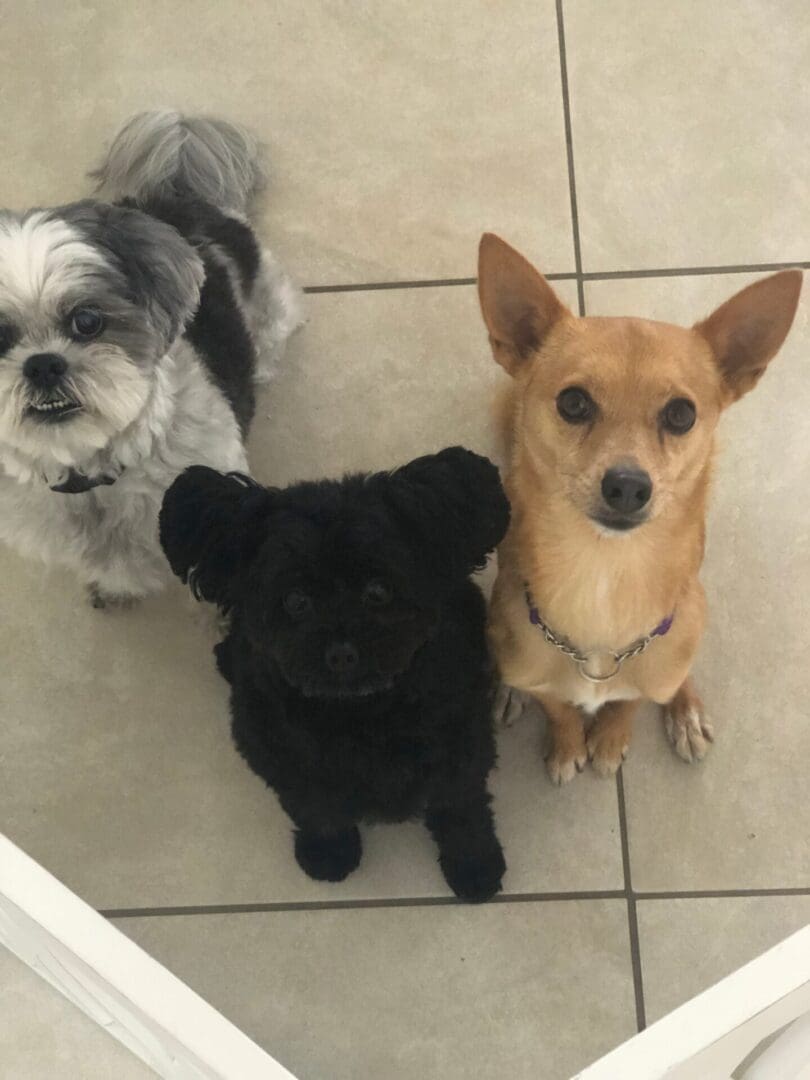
[331, 691]
[617, 524]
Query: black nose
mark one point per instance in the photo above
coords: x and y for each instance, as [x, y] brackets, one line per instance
[626, 490]
[45, 369]
[341, 657]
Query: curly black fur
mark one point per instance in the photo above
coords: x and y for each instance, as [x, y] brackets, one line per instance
[361, 686]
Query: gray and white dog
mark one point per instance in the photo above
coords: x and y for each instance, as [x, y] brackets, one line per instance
[131, 335]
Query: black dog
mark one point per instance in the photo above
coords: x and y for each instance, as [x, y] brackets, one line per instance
[361, 686]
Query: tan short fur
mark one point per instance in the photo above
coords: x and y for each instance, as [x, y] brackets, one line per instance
[598, 588]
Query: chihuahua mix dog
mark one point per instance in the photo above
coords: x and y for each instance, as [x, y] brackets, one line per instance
[597, 605]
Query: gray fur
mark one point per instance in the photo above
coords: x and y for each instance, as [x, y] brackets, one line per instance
[148, 406]
[162, 154]
[161, 270]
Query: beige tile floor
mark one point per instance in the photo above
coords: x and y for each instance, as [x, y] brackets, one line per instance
[396, 134]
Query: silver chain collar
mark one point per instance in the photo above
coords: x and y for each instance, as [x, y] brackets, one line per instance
[582, 660]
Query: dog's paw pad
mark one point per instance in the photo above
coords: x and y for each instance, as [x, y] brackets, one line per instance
[328, 858]
[474, 878]
[689, 731]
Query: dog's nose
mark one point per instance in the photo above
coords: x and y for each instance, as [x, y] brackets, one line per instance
[341, 657]
[626, 490]
[45, 369]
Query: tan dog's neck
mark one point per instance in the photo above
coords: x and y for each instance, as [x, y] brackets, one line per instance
[600, 590]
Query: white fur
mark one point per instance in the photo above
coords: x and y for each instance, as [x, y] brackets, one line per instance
[109, 535]
[41, 258]
[143, 420]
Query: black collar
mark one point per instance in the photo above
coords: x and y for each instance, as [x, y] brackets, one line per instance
[77, 483]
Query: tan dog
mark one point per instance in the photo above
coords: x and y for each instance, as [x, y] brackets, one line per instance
[611, 421]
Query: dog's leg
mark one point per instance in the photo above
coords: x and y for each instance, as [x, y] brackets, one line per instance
[566, 754]
[470, 854]
[609, 736]
[688, 729]
[275, 311]
[508, 705]
[328, 856]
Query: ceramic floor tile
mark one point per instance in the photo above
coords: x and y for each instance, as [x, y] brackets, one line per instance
[378, 377]
[689, 945]
[434, 992]
[741, 818]
[117, 770]
[45, 1037]
[396, 132]
[689, 131]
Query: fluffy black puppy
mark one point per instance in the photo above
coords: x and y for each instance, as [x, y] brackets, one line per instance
[361, 686]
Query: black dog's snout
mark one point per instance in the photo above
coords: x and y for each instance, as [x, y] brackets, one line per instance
[626, 490]
[342, 657]
[45, 369]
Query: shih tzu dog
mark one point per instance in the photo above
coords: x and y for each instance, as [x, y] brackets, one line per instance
[360, 682]
[131, 335]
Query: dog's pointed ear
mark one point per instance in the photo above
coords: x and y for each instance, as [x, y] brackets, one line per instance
[211, 525]
[453, 506]
[518, 304]
[748, 330]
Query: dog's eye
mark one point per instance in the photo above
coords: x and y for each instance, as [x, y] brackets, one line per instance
[678, 416]
[86, 322]
[6, 337]
[297, 603]
[575, 405]
[376, 594]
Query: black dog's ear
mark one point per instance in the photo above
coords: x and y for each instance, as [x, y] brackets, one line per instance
[454, 506]
[210, 525]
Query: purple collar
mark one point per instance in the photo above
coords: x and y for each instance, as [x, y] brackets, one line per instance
[582, 660]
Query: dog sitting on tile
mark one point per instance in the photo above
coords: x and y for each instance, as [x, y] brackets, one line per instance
[131, 335]
[361, 685]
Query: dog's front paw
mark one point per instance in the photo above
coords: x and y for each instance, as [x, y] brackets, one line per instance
[688, 728]
[607, 749]
[566, 758]
[508, 705]
[474, 878]
[328, 857]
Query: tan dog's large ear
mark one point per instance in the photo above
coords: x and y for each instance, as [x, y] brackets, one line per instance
[747, 331]
[518, 304]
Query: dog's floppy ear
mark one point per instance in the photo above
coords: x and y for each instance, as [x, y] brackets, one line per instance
[518, 304]
[162, 271]
[747, 331]
[454, 507]
[210, 525]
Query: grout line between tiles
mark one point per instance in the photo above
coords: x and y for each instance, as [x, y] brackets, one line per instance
[442, 901]
[632, 913]
[426, 283]
[595, 275]
[350, 905]
[721, 894]
[569, 150]
[693, 271]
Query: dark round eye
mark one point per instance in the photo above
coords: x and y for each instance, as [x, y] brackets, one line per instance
[6, 337]
[575, 405]
[376, 594]
[297, 603]
[86, 322]
[678, 415]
